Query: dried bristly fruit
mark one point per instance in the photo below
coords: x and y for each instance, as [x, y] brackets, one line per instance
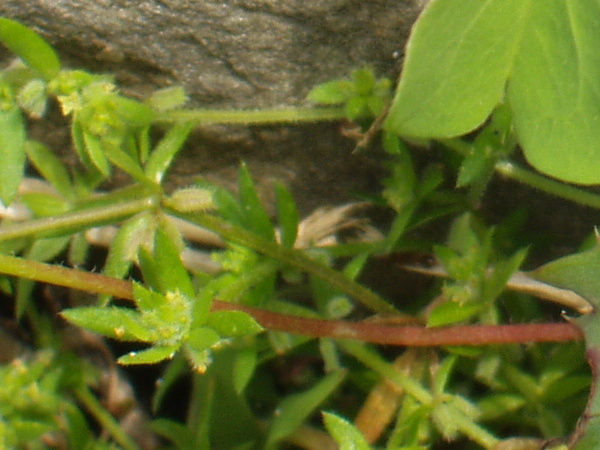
[191, 199]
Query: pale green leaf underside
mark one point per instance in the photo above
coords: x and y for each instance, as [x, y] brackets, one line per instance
[463, 58]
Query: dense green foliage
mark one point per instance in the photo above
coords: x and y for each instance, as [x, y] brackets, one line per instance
[266, 369]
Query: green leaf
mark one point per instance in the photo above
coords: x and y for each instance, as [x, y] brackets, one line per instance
[125, 245]
[177, 433]
[32, 98]
[12, 151]
[118, 323]
[232, 323]
[453, 312]
[147, 300]
[287, 215]
[162, 156]
[345, 434]
[50, 167]
[169, 269]
[150, 355]
[244, 365]
[363, 81]
[332, 92]
[457, 62]
[555, 90]
[125, 162]
[295, 409]
[255, 216]
[131, 111]
[95, 152]
[167, 98]
[201, 339]
[30, 47]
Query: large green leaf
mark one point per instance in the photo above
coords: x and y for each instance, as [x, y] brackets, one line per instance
[554, 90]
[463, 57]
[457, 61]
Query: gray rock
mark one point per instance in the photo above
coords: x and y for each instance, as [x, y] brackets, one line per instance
[238, 54]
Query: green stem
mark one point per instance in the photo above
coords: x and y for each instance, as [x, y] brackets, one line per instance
[532, 179]
[254, 117]
[292, 257]
[548, 185]
[474, 432]
[76, 220]
[105, 419]
[375, 362]
[63, 276]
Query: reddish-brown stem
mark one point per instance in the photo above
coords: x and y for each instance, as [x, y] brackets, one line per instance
[337, 329]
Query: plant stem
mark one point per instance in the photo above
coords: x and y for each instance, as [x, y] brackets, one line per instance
[77, 220]
[532, 179]
[373, 332]
[253, 117]
[105, 419]
[63, 276]
[476, 433]
[375, 362]
[294, 258]
[548, 185]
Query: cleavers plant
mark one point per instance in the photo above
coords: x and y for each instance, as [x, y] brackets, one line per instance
[226, 319]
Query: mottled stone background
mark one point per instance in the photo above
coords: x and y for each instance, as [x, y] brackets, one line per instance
[238, 54]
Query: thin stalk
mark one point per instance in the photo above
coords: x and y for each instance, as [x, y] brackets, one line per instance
[76, 220]
[105, 419]
[254, 117]
[548, 185]
[373, 332]
[532, 179]
[475, 432]
[375, 362]
[293, 258]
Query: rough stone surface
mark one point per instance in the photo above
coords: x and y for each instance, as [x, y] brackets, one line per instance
[238, 54]
[241, 53]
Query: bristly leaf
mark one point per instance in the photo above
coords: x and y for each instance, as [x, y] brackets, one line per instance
[162, 156]
[30, 47]
[125, 245]
[294, 409]
[12, 152]
[346, 435]
[95, 152]
[169, 270]
[150, 355]
[255, 216]
[51, 167]
[232, 323]
[118, 323]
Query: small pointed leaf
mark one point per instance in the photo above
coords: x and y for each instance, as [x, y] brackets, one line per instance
[12, 152]
[150, 355]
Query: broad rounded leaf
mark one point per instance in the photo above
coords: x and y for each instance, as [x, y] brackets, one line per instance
[457, 62]
[555, 90]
